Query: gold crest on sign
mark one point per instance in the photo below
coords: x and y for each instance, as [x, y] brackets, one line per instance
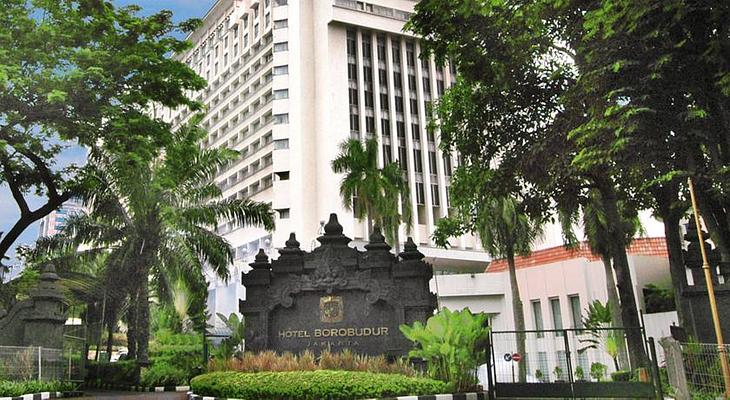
[331, 309]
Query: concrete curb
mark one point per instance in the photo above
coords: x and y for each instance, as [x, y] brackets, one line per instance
[129, 388]
[44, 395]
[457, 396]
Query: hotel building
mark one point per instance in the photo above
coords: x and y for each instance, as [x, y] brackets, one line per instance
[289, 80]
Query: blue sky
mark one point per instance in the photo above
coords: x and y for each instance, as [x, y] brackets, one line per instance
[182, 9]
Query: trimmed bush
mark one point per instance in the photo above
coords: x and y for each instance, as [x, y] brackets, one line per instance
[305, 385]
[164, 374]
[621, 376]
[19, 388]
[116, 373]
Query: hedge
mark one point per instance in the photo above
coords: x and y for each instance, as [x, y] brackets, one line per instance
[116, 373]
[309, 385]
[19, 388]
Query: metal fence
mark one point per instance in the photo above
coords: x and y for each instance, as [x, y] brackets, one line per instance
[32, 363]
[702, 365]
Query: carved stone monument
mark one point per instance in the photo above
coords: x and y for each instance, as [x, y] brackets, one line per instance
[336, 297]
[39, 320]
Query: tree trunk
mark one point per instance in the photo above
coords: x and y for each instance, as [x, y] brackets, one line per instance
[519, 314]
[613, 303]
[143, 318]
[677, 270]
[109, 341]
[624, 283]
[132, 324]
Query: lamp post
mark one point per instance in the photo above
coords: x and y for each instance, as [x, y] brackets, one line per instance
[711, 293]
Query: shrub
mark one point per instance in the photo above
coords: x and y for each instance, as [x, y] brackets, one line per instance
[116, 373]
[19, 388]
[322, 384]
[307, 361]
[598, 371]
[621, 376]
[452, 344]
[161, 373]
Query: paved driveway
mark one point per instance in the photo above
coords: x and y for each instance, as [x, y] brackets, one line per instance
[98, 394]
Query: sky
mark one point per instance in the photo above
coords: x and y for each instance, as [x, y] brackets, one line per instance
[182, 10]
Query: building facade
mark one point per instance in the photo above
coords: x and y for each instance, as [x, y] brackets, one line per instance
[54, 222]
[291, 80]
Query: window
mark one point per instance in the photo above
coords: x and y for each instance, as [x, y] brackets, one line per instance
[281, 46]
[225, 59]
[537, 317]
[216, 52]
[235, 49]
[575, 311]
[352, 72]
[280, 3]
[397, 80]
[411, 82]
[281, 23]
[215, 69]
[384, 101]
[385, 127]
[387, 155]
[420, 197]
[207, 59]
[410, 54]
[417, 160]
[281, 119]
[225, 42]
[354, 123]
[383, 78]
[351, 44]
[283, 213]
[542, 365]
[370, 124]
[267, 20]
[447, 165]
[283, 175]
[432, 162]
[256, 29]
[563, 364]
[400, 127]
[281, 70]
[281, 144]
[416, 132]
[399, 104]
[557, 314]
[396, 53]
[281, 94]
[352, 94]
[435, 195]
[368, 99]
[402, 158]
[245, 40]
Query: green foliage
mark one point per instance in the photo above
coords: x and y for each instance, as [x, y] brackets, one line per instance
[558, 372]
[19, 388]
[621, 376]
[452, 345]
[305, 385]
[371, 192]
[83, 72]
[175, 359]
[579, 373]
[162, 373]
[116, 373]
[232, 345]
[598, 371]
[658, 299]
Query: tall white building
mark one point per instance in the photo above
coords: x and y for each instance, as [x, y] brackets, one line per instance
[291, 80]
[54, 222]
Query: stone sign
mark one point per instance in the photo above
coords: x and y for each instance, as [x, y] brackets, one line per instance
[336, 297]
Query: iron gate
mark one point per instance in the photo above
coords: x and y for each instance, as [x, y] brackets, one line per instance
[567, 363]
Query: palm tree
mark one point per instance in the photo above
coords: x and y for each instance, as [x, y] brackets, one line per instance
[155, 215]
[371, 192]
[596, 231]
[506, 230]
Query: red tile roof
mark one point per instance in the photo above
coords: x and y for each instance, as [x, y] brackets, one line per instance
[642, 246]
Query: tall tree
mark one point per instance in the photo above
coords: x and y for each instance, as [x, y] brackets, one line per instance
[505, 230]
[156, 215]
[72, 73]
[379, 195]
[513, 109]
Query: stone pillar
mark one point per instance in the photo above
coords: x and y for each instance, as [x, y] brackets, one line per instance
[675, 367]
[43, 326]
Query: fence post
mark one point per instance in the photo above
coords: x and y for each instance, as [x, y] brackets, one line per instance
[675, 367]
[568, 363]
[40, 370]
[655, 369]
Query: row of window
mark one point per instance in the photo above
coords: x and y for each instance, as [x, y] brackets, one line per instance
[556, 313]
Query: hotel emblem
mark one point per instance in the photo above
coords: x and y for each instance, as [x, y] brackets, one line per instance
[331, 309]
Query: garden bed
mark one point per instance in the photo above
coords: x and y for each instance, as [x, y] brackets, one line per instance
[320, 384]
